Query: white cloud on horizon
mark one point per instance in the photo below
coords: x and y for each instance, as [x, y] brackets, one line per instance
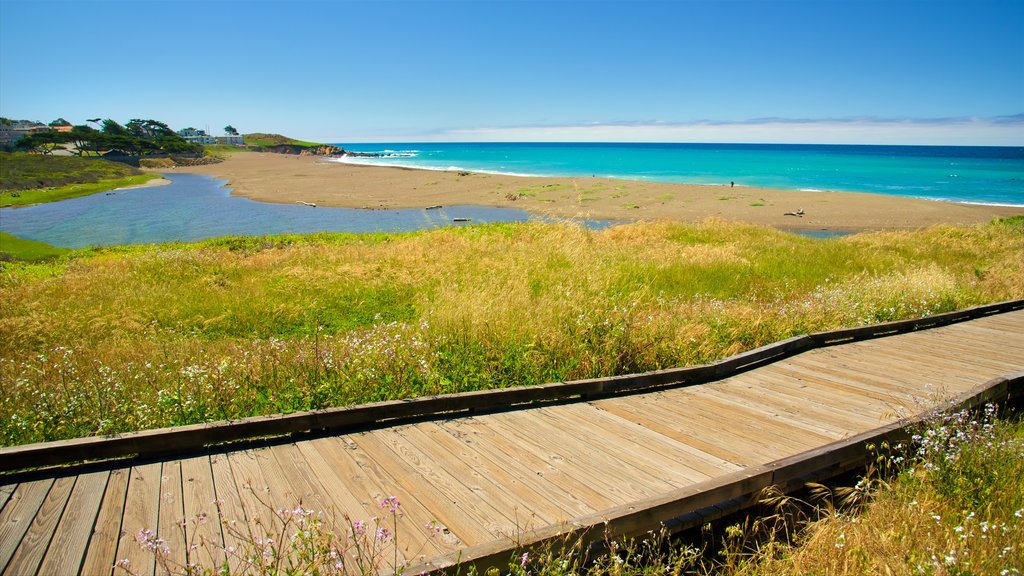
[1001, 131]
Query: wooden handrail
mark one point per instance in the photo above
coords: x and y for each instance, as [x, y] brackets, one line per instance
[183, 439]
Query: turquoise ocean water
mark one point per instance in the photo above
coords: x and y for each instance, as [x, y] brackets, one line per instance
[987, 175]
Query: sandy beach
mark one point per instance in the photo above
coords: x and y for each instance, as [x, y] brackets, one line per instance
[290, 179]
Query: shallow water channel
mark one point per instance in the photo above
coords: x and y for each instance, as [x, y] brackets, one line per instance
[195, 207]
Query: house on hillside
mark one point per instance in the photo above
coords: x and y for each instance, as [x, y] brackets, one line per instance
[196, 136]
[61, 125]
[12, 130]
[231, 139]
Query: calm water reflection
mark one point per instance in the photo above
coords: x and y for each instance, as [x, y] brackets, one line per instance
[194, 207]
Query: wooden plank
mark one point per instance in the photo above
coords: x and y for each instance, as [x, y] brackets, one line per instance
[203, 538]
[231, 519]
[359, 486]
[71, 538]
[527, 486]
[171, 520]
[992, 357]
[102, 551]
[655, 455]
[470, 520]
[33, 545]
[511, 499]
[878, 385]
[258, 495]
[300, 484]
[680, 429]
[881, 379]
[773, 423]
[872, 363]
[697, 407]
[637, 472]
[853, 393]
[844, 409]
[760, 391]
[5, 493]
[17, 516]
[141, 512]
[571, 456]
[534, 462]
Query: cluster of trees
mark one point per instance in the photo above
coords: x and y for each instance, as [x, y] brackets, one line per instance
[136, 138]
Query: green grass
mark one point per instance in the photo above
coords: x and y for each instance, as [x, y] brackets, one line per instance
[261, 139]
[127, 338]
[223, 150]
[41, 195]
[14, 248]
[34, 179]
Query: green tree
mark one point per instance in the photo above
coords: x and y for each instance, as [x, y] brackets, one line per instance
[60, 122]
[229, 129]
[41, 142]
[84, 139]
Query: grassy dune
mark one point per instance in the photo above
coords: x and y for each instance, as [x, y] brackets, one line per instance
[130, 338]
[33, 179]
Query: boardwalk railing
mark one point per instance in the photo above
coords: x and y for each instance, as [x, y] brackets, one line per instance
[184, 439]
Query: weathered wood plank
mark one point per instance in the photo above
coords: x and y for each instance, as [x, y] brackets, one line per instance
[369, 484]
[469, 518]
[71, 538]
[774, 424]
[759, 391]
[872, 388]
[171, 520]
[573, 457]
[141, 512]
[532, 464]
[558, 504]
[648, 411]
[997, 360]
[230, 514]
[36, 540]
[701, 465]
[102, 551]
[650, 454]
[5, 493]
[510, 498]
[17, 516]
[203, 538]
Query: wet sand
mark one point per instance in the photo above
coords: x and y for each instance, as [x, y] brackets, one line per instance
[290, 179]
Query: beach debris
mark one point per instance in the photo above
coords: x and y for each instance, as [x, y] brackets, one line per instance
[462, 219]
[464, 173]
[305, 203]
[799, 213]
[434, 207]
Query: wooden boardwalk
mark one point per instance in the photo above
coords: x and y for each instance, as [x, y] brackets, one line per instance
[492, 478]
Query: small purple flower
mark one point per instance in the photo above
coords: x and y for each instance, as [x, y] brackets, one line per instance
[390, 504]
[359, 528]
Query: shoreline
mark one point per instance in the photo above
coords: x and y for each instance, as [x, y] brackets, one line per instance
[287, 179]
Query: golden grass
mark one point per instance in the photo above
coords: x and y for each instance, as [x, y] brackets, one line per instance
[291, 323]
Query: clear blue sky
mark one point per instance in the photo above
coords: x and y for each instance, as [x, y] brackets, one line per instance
[886, 71]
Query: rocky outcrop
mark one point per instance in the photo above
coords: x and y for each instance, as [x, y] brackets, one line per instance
[320, 150]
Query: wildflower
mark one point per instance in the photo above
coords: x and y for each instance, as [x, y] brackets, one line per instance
[390, 504]
[359, 528]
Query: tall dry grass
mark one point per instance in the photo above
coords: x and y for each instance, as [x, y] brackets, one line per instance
[110, 340]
